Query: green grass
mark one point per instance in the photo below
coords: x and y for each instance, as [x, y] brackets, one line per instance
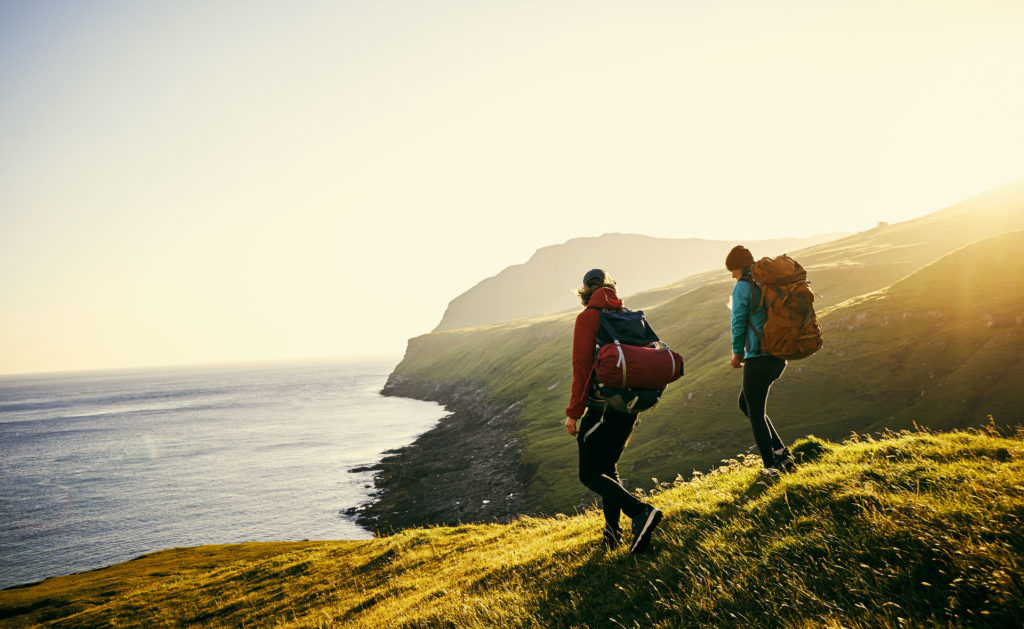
[910, 529]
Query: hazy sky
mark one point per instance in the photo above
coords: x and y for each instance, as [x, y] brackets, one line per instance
[186, 182]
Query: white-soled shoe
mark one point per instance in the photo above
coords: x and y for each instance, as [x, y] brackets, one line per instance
[643, 527]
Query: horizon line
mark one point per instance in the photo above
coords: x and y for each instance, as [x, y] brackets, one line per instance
[201, 365]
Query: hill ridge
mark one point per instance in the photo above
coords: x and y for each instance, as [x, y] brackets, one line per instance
[544, 283]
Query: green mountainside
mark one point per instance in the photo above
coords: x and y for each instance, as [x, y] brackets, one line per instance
[544, 284]
[922, 321]
[915, 529]
[884, 254]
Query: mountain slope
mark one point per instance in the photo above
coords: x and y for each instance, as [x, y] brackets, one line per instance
[873, 259]
[854, 383]
[545, 283]
[902, 530]
[937, 348]
[948, 339]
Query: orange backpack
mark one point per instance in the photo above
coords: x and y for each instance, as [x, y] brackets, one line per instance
[791, 330]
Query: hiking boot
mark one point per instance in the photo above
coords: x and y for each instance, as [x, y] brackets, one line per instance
[786, 464]
[643, 527]
[612, 537]
[772, 472]
[784, 461]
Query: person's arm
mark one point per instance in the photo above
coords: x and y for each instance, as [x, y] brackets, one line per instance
[584, 338]
[741, 296]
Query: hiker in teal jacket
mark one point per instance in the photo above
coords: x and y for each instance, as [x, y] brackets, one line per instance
[760, 370]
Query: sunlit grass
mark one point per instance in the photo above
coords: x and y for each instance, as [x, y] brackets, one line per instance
[914, 529]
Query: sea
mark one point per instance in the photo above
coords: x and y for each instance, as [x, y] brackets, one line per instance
[97, 468]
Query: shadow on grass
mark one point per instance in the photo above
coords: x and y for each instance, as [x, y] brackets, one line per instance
[620, 589]
[809, 449]
[820, 558]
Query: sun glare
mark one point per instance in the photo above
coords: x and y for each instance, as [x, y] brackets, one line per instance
[203, 185]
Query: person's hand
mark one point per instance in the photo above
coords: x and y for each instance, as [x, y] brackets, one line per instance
[737, 361]
[570, 426]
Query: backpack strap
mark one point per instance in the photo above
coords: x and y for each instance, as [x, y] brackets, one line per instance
[608, 329]
[750, 313]
[622, 356]
[754, 286]
[760, 337]
[594, 384]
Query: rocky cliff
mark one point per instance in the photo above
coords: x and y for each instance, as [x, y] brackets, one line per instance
[465, 469]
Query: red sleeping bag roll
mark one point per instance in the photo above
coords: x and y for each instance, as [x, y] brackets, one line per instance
[641, 367]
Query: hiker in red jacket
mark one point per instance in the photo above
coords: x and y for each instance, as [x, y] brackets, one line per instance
[603, 432]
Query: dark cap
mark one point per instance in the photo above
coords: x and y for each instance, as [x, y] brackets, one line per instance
[739, 258]
[593, 275]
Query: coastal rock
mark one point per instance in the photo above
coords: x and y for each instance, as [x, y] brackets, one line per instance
[465, 469]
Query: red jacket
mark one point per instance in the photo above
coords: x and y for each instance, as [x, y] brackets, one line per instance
[584, 341]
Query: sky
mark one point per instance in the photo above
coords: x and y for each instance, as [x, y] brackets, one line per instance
[191, 182]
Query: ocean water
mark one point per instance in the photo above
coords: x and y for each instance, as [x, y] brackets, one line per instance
[101, 467]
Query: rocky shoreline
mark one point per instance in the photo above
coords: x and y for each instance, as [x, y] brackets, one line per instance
[465, 469]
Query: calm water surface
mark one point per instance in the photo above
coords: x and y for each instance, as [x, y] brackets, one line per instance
[97, 468]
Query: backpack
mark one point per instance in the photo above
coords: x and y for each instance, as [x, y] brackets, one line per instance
[791, 330]
[632, 365]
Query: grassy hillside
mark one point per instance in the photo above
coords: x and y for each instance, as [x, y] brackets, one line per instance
[902, 530]
[549, 276]
[871, 260]
[903, 337]
[937, 347]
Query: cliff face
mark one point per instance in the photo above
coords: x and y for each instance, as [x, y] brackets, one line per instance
[465, 469]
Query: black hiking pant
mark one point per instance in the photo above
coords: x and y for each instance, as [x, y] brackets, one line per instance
[758, 375]
[603, 434]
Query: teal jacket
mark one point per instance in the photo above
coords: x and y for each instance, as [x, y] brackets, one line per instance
[747, 309]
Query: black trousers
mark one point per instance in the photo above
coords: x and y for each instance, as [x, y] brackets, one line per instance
[758, 375]
[603, 434]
